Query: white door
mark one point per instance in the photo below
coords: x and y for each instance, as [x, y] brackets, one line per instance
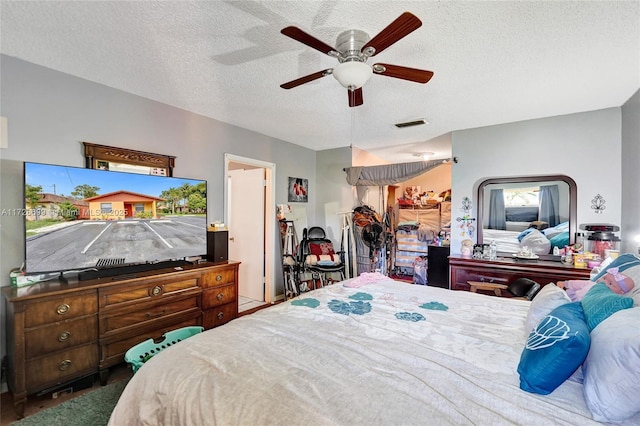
[246, 229]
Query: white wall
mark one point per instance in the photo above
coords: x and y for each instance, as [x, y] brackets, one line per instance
[334, 194]
[631, 175]
[584, 146]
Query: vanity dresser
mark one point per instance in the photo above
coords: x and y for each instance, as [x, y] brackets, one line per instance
[505, 270]
[61, 331]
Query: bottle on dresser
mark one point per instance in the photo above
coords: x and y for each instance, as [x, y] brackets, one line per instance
[493, 250]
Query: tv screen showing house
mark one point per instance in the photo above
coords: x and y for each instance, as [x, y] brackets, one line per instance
[78, 219]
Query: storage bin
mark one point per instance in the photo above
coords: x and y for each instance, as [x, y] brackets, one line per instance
[420, 270]
[143, 352]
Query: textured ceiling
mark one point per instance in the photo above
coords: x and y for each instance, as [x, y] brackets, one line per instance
[494, 62]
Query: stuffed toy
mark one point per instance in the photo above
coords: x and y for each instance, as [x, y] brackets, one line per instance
[467, 247]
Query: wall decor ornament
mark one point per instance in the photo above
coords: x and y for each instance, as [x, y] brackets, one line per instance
[466, 204]
[298, 190]
[598, 203]
[467, 227]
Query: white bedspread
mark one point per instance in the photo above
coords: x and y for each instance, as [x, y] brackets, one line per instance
[507, 241]
[386, 353]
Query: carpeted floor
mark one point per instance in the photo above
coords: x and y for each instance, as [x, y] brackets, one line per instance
[91, 409]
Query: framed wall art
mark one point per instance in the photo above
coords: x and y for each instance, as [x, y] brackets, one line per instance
[298, 190]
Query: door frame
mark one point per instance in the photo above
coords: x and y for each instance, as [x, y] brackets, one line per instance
[269, 216]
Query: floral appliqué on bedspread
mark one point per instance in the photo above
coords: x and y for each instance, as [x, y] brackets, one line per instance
[345, 308]
[435, 306]
[361, 296]
[410, 316]
[309, 302]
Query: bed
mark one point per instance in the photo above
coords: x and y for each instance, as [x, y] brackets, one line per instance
[366, 351]
[506, 241]
[512, 240]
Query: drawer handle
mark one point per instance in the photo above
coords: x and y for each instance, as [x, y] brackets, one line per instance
[63, 309]
[220, 296]
[158, 314]
[220, 315]
[219, 277]
[156, 291]
[64, 336]
[65, 364]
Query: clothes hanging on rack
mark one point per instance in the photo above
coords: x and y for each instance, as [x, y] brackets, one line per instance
[348, 245]
[289, 255]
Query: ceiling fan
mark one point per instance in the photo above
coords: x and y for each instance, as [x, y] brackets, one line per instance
[353, 48]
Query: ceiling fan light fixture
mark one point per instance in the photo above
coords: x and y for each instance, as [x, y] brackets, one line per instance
[353, 74]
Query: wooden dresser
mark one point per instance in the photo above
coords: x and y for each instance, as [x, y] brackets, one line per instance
[506, 270]
[58, 331]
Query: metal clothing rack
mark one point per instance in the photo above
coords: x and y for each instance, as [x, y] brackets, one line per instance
[348, 245]
[290, 267]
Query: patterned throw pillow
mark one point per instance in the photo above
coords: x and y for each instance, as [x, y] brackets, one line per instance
[322, 254]
[555, 349]
[600, 303]
[320, 249]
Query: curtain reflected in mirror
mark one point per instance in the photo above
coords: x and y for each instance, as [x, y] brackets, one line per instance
[549, 205]
[510, 209]
[497, 217]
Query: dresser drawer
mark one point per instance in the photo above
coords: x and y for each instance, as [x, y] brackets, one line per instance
[219, 315]
[47, 311]
[61, 366]
[461, 276]
[140, 315]
[218, 296]
[506, 271]
[61, 335]
[148, 290]
[218, 277]
[112, 352]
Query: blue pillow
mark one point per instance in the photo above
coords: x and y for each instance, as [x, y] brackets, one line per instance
[525, 233]
[600, 303]
[560, 240]
[554, 350]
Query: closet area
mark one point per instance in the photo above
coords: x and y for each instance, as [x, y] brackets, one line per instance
[417, 217]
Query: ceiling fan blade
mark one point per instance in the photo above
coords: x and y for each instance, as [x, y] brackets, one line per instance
[404, 73]
[304, 38]
[306, 79]
[401, 27]
[355, 97]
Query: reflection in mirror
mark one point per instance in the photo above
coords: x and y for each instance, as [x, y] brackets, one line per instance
[538, 212]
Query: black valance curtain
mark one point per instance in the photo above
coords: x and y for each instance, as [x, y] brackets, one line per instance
[388, 174]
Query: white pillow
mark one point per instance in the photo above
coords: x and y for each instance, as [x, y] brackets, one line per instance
[612, 368]
[548, 298]
[536, 242]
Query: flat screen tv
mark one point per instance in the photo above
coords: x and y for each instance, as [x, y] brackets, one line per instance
[79, 219]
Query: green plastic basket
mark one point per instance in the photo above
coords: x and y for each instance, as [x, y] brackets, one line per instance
[143, 352]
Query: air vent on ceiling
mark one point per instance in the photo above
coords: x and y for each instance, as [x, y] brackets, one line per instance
[411, 123]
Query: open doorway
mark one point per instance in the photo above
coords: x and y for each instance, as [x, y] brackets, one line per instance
[249, 215]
